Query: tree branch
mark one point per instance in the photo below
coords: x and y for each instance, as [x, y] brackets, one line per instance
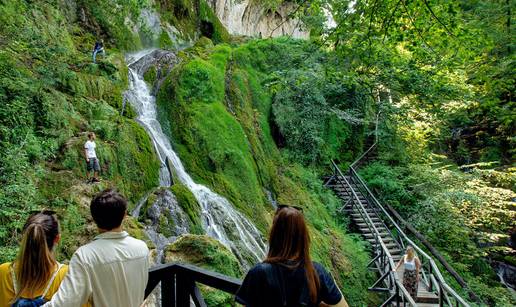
[437, 18]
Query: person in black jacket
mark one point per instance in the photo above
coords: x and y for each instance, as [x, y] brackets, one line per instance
[288, 277]
[99, 47]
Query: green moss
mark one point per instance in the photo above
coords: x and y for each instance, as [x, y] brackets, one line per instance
[150, 75]
[187, 201]
[165, 41]
[182, 14]
[201, 81]
[206, 15]
[210, 254]
[136, 230]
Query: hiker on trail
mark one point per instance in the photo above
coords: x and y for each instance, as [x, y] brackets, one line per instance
[99, 47]
[287, 276]
[34, 277]
[113, 269]
[411, 274]
[92, 162]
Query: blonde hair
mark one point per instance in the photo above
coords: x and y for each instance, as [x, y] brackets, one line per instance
[411, 254]
[35, 262]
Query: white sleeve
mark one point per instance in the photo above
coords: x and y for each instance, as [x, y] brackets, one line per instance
[75, 289]
[86, 145]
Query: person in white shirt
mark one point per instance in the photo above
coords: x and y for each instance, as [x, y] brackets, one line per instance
[112, 270]
[92, 162]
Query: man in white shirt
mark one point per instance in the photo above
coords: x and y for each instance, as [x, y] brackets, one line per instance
[112, 270]
[92, 162]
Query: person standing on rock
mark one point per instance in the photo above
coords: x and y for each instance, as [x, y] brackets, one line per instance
[98, 48]
[92, 162]
[411, 274]
[113, 269]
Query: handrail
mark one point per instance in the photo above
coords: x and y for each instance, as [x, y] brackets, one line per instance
[435, 268]
[435, 275]
[178, 283]
[378, 240]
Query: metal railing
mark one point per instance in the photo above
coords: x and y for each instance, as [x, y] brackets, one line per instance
[431, 275]
[179, 284]
[383, 258]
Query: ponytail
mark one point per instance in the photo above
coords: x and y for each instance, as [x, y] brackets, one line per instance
[36, 262]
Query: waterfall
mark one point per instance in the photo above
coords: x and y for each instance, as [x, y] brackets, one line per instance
[219, 219]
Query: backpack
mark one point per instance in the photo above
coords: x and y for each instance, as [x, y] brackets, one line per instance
[33, 302]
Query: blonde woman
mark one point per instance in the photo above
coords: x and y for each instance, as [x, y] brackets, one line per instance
[411, 274]
[34, 277]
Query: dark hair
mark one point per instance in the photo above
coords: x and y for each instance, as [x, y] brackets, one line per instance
[35, 261]
[289, 241]
[108, 209]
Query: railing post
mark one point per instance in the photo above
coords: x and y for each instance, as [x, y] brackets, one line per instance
[441, 296]
[397, 296]
[168, 291]
[183, 289]
[430, 283]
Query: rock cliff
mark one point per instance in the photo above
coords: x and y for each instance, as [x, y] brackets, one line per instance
[247, 17]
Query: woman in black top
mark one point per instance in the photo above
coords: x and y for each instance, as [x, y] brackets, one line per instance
[287, 277]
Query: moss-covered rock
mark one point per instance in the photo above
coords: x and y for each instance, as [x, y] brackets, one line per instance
[187, 201]
[210, 254]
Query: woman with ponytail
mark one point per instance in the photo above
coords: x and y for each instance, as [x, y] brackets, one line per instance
[35, 275]
[288, 277]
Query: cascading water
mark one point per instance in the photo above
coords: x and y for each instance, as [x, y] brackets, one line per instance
[219, 219]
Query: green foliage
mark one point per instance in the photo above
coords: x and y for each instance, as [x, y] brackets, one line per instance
[50, 96]
[316, 101]
[453, 58]
[454, 211]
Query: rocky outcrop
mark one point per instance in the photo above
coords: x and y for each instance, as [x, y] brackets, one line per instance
[247, 17]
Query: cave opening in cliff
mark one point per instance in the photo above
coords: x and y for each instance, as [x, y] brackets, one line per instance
[207, 29]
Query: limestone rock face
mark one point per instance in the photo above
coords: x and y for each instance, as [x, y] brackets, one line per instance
[246, 17]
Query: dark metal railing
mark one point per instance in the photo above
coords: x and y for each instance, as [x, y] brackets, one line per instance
[179, 284]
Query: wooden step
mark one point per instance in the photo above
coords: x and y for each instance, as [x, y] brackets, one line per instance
[426, 297]
[367, 232]
[382, 234]
[376, 224]
[391, 245]
[396, 252]
[384, 240]
[423, 295]
[358, 218]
